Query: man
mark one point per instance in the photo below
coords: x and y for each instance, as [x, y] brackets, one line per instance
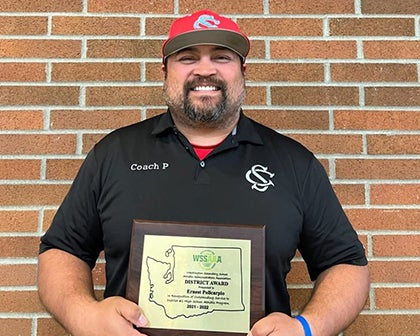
[202, 161]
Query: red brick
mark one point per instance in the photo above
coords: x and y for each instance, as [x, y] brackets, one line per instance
[330, 143]
[19, 247]
[37, 143]
[395, 194]
[32, 194]
[89, 140]
[256, 95]
[124, 96]
[364, 240]
[47, 219]
[313, 49]
[391, 49]
[158, 25]
[98, 274]
[312, 7]
[314, 95]
[117, 6]
[20, 169]
[122, 48]
[40, 6]
[62, 169]
[24, 48]
[20, 302]
[393, 144]
[298, 274]
[326, 164]
[376, 120]
[22, 72]
[39, 95]
[224, 7]
[66, 25]
[378, 72]
[18, 275]
[391, 7]
[394, 271]
[299, 297]
[281, 27]
[397, 298]
[295, 72]
[392, 96]
[384, 219]
[396, 245]
[86, 72]
[154, 112]
[49, 326]
[291, 119]
[18, 221]
[21, 120]
[15, 326]
[385, 325]
[154, 72]
[23, 25]
[377, 169]
[372, 27]
[350, 194]
[258, 49]
[97, 119]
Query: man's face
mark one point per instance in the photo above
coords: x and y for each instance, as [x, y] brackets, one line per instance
[204, 85]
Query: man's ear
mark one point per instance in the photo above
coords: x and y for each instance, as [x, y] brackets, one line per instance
[164, 72]
[244, 66]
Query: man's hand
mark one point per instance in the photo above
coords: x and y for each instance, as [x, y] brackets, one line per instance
[112, 316]
[277, 324]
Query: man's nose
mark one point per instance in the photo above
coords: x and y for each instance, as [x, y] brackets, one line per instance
[205, 67]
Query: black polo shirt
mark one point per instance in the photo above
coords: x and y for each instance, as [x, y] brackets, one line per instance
[255, 176]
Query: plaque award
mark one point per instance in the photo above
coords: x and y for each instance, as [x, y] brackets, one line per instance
[197, 278]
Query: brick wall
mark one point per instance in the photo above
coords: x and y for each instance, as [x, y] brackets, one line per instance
[341, 76]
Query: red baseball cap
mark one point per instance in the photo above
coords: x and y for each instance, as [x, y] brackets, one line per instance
[205, 27]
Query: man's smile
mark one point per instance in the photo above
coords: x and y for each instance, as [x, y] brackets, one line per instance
[205, 88]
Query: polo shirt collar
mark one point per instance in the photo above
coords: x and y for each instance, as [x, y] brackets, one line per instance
[245, 130]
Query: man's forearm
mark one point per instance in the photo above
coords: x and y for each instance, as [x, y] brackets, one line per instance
[338, 297]
[64, 285]
[66, 289]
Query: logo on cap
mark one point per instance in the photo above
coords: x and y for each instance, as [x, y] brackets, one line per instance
[206, 21]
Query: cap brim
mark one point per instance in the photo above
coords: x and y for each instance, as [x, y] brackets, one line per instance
[224, 38]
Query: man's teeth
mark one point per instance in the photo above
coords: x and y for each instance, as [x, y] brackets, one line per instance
[205, 88]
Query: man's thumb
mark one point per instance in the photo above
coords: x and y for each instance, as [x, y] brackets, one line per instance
[134, 314]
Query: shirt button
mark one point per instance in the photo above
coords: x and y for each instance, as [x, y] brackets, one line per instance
[202, 164]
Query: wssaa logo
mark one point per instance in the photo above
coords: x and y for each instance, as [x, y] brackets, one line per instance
[207, 259]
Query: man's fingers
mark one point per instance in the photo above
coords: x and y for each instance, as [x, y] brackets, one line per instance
[132, 312]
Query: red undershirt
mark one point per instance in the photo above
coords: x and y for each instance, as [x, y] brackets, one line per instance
[203, 151]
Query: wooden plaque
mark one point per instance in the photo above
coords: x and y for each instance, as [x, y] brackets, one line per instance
[197, 278]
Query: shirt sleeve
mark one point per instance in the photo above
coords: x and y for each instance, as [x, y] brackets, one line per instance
[76, 227]
[327, 237]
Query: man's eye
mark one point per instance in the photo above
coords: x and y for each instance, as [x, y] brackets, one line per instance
[223, 58]
[186, 59]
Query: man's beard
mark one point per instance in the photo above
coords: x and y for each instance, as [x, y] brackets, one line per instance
[207, 112]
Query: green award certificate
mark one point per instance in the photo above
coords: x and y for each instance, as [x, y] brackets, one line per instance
[199, 280]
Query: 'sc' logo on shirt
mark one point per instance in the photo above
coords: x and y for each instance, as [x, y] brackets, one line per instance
[259, 177]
